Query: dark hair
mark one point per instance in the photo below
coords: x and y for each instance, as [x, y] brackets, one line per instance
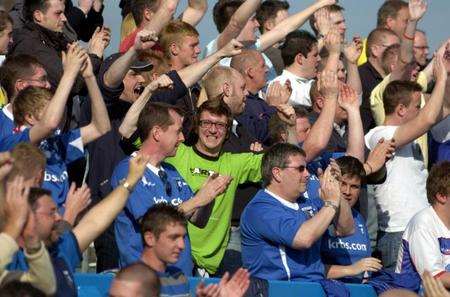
[15, 68]
[28, 161]
[389, 9]
[268, 10]
[156, 219]
[375, 37]
[19, 289]
[223, 11]
[217, 107]
[297, 42]
[351, 166]
[30, 6]
[138, 7]
[277, 156]
[276, 128]
[438, 181]
[389, 56]
[5, 19]
[155, 114]
[144, 275]
[398, 92]
[35, 194]
[330, 8]
[302, 111]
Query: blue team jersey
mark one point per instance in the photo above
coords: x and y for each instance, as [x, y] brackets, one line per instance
[59, 151]
[268, 228]
[6, 122]
[173, 283]
[65, 255]
[347, 250]
[149, 191]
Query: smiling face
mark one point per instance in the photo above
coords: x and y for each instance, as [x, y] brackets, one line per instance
[212, 132]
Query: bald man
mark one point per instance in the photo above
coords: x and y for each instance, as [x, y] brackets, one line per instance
[421, 48]
[137, 280]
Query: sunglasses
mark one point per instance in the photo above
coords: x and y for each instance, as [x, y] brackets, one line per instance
[300, 168]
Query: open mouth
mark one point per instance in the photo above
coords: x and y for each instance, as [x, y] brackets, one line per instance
[139, 89]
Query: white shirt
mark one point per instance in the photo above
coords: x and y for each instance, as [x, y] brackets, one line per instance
[212, 48]
[426, 245]
[300, 88]
[403, 194]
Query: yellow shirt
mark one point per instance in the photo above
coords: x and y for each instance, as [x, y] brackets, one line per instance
[3, 98]
[377, 108]
[363, 57]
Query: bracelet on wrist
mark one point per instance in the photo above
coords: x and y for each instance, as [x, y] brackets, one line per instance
[331, 205]
[407, 37]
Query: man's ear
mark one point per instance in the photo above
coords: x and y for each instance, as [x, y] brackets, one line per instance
[375, 50]
[20, 85]
[148, 13]
[156, 133]
[400, 110]
[174, 49]
[276, 174]
[299, 59]
[30, 119]
[441, 198]
[269, 25]
[250, 72]
[150, 239]
[226, 88]
[389, 22]
[38, 16]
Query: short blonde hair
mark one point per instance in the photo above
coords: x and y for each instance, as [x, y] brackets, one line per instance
[30, 101]
[215, 78]
[174, 32]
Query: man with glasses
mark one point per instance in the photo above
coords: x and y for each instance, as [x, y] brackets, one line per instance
[421, 48]
[160, 128]
[280, 229]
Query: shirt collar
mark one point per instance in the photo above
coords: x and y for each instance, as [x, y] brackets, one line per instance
[291, 205]
[7, 112]
[295, 77]
[234, 127]
[152, 168]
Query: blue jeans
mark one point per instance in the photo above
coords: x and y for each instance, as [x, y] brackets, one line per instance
[388, 244]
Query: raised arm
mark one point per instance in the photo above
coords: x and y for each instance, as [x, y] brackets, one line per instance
[162, 16]
[72, 62]
[352, 51]
[319, 136]
[100, 123]
[237, 22]
[348, 100]
[193, 73]
[114, 76]
[429, 114]
[103, 214]
[129, 122]
[194, 12]
[290, 24]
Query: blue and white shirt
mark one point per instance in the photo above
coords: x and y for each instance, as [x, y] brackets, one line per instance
[65, 255]
[6, 122]
[346, 250]
[268, 227]
[149, 191]
[425, 245]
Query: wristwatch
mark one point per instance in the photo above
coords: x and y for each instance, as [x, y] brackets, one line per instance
[332, 205]
[127, 186]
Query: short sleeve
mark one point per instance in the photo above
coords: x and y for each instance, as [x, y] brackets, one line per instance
[69, 249]
[72, 146]
[210, 48]
[277, 225]
[9, 142]
[374, 135]
[425, 252]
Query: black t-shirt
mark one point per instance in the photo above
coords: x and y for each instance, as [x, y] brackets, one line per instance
[370, 78]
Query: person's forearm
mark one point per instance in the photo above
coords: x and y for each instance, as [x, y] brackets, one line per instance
[313, 229]
[353, 78]
[201, 215]
[338, 271]
[407, 42]
[319, 136]
[116, 73]
[344, 223]
[99, 117]
[355, 146]
[445, 279]
[237, 22]
[195, 11]
[40, 272]
[288, 25]
[193, 73]
[9, 248]
[129, 123]
[332, 62]
[162, 16]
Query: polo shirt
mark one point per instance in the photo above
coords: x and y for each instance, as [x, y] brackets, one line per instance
[150, 190]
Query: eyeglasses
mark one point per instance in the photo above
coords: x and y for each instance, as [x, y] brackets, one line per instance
[205, 124]
[50, 214]
[168, 187]
[300, 168]
[422, 48]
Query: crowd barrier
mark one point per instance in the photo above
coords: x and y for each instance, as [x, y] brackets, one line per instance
[97, 285]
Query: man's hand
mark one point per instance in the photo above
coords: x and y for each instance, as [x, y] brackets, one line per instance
[329, 183]
[137, 168]
[77, 200]
[214, 186]
[30, 235]
[353, 50]
[163, 81]
[278, 94]
[85, 5]
[328, 84]
[16, 206]
[287, 114]
[256, 147]
[86, 70]
[333, 41]
[379, 155]
[145, 40]
[366, 264]
[236, 286]
[6, 163]
[231, 49]
[74, 58]
[348, 99]
[323, 22]
[99, 41]
[433, 287]
[417, 9]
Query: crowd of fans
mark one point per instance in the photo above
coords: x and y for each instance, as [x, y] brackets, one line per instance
[271, 155]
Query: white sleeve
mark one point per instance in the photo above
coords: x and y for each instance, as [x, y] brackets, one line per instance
[210, 48]
[373, 136]
[425, 252]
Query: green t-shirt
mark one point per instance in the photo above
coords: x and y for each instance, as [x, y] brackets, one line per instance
[209, 243]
